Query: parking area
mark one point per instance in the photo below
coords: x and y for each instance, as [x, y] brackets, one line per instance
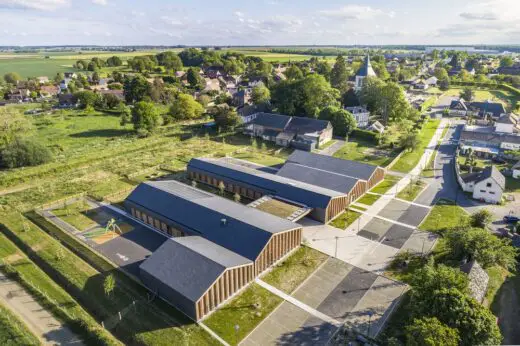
[348, 294]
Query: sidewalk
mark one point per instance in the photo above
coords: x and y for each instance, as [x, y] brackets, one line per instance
[48, 329]
[383, 201]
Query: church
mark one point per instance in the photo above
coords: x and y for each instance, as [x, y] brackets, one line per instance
[365, 71]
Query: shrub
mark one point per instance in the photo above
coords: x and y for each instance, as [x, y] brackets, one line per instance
[481, 218]
[366, 135]
[24, 152]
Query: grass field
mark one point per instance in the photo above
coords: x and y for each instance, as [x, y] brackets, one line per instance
[278, 208]
[505, 97]
[76, 214]
[368, 199]
[13, 331]
[410, 192]
[291, 272]
[345, 219]
[364, 151]
[443, 216]
[384, 186]
[410, 159]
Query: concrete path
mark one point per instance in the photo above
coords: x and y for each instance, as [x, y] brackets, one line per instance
[297, 303]
[48, 329]
[333, 148]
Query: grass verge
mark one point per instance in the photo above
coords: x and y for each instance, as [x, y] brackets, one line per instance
[368, 199]
[410, 192]
[365, 151]
[410, 159]
[290, 273]
[13, 331]
[443, 216]
[384, 186]
[246, 310]
[76, 214]
[345, 219]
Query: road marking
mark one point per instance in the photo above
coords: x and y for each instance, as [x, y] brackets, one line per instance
[298, 303]
[383, 218]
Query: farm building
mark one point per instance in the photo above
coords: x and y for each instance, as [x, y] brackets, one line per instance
[249, 239]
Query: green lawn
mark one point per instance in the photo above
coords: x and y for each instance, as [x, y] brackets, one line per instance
[410, 159]
[384, 186]
[13, 331]
[365, 151]
[246, 310]
[345, 219]
[290, 273]
[278, 208]
[76, 214]
[429, 170]
[410, 192]
[326, 145]
[497, 276]
[368, 199]
[266, 159]
[502, 96]
[443, 216]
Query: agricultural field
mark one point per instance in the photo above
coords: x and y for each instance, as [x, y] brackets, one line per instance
[502, 96]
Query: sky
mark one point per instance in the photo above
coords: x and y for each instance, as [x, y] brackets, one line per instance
[258, 22]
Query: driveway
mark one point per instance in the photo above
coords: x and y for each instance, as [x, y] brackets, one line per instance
[333, 148]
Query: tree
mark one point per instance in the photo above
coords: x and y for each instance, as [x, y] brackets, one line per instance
[350, 98]
[111, 101]
[136, 88]
[260, 94]
[86, 98]
[323, 68]
[440, 73]
[237, 197]
[95, 78]
[409, 140]
[481, 218]
[484, 247]
[114, 61]
[506, 61]
[429, 331]
[109, 284]
[145, 117]
[12, 78]
[13, 123]
[339, 74]
[431, 278]
[170, 61]
[194, 79]
[221, 187]
[185, 107]
[467, 94]
[342, 121]
[24, 152]
[293, 72]
[226, 117]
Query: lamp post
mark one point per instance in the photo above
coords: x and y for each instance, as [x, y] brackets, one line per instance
[370, 313]
[237, 328]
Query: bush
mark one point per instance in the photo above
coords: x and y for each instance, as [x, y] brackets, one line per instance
[366, 135]
[24, 152]
[481, 218]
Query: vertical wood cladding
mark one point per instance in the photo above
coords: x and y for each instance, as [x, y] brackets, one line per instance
[376, 177]
[279, 245]
[229, 186]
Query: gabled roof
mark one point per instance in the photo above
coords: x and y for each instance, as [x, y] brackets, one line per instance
[366, 69]
[517, 165]
[238, 228]
[277, 121]
[488, 172]
[302, 125]
[319, 177]
[506, 119]
[349, 168]
[190, 265]
[311, 195]
[489, 107]
[458, 104]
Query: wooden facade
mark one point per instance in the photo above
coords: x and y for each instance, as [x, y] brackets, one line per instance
[279, 245]
[377, 176]
[243, 191]
[232, 280]
[159, 225]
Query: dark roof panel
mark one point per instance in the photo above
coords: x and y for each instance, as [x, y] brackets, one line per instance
[348, 168]
[319, 177]
[190, 265]
[239, 228]
[302, 125]
[276, 121]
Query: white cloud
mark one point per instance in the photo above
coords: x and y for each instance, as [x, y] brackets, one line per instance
[100, 2]
[171, 20]
[44, 5]
[479, 16]
[238, 14]
[356, 12]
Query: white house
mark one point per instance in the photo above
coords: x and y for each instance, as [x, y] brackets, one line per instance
[516, 170]
[487, 186]
[361, 114]
[365, 71]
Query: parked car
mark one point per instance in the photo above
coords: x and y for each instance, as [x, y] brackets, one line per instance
[511, 219]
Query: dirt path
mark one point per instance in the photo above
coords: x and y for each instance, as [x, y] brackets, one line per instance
[49, 330]
[15, 189]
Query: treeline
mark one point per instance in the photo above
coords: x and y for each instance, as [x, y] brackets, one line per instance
[97, 63]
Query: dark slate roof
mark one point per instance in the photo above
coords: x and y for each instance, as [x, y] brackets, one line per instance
[277, 121]
[319, 177]
[302, 125]
[366, 69]
[244, 231]
[488, 172]
[506, 119]
[190, 265]
[495, 138]
[311, 195]
[517, 165]
[458, 104]
[349, 168]
[495, 108]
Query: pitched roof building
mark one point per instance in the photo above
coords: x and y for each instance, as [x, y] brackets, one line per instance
[364, 71]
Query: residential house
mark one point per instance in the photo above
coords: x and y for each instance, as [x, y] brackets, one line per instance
[361, 114]
[18, 95]
[215, 72]
[365, 71]
[218, 246]
[299, 132]
[424, 84]
[70, 75]
[42, 80]
[47, 91]
[241, 98]
[456, 70]
[67, 101]
[481, 109]
[516, 170]
[255, 81]
[487, 185]
[64, 84]
[120, 94]
[511, 70]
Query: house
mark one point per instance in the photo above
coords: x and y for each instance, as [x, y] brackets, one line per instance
[255, 81]
[365, 71]
[42, 80]
[120, 94]
[230, 82]
[64, 84]
[376, 126]
[480, 109]
[512, 70]
[70, 75]
[47, 91]
[361, 114]
[456, 70]
[241, 98]
[478, 279]
[508, 123]
[219, 246]
[67, 100]
[516, 170]
[299, 132]
[214, 72]
[212, 85]
[180, 74]
[487, 186]
[424, 84]
[18, 95]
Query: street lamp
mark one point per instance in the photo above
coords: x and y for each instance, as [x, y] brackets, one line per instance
[237, 328]
[370, 313]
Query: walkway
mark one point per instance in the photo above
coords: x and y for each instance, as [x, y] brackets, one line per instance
[333, 148]
[48, 329]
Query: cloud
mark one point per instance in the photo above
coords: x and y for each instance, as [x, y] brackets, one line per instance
[479, 16]
[43, 5]
[171, 20]
[358, 12]
[100, 2]
[238, 14]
